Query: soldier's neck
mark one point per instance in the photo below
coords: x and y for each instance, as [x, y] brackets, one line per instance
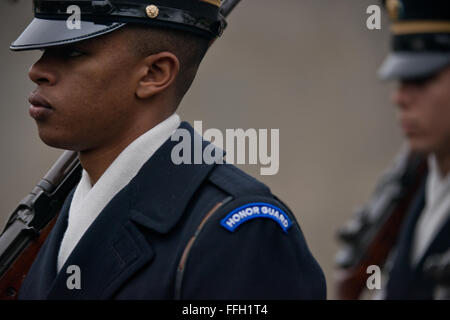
[95, 162]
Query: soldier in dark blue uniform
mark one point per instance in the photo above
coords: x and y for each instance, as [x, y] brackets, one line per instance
[414, 195]
[139, 226]
[421, 63]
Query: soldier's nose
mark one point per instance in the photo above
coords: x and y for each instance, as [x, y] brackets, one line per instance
[402, 95]
[40, 72]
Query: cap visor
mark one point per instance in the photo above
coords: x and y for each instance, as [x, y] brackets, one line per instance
[407, 65]
[43, 33]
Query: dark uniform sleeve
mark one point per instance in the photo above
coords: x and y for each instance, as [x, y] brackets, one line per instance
[258, 259]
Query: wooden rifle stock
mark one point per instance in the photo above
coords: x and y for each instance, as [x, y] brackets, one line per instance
[32, 221]
[370, 243]
[11, 280]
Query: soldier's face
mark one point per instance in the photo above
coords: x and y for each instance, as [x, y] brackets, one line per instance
[424, 112]
[84, 93]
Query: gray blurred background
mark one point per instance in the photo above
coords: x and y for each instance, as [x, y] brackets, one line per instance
[306, 67]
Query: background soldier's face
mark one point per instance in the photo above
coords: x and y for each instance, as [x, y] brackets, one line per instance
[424, 112]
[90, 87]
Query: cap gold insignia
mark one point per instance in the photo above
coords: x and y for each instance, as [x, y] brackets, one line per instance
[393, 7]
[152, 11]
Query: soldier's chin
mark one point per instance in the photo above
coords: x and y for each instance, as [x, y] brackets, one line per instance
[58, 141]
[420, 145]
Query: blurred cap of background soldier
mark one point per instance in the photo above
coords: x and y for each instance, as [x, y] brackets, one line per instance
[420, 39]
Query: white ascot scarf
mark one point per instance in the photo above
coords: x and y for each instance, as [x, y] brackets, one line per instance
[88, 201]
[436, 211]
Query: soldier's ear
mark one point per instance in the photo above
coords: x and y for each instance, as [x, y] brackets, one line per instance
[157, 73]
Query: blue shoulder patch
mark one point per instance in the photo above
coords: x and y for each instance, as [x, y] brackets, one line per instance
[256, 210]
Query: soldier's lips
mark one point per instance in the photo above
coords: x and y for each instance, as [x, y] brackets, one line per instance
[410, 127]
[40, 108]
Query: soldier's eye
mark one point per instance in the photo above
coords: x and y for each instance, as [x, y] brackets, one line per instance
[420, 81]
[75, 53]
[72, 52]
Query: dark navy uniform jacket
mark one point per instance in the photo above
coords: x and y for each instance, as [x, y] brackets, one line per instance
[411, 282]
[164, 236]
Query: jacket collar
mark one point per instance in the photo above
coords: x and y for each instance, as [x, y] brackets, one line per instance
[167, 186]
[403, 275]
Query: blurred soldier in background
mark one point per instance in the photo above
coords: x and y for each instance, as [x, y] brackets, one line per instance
[405, 227]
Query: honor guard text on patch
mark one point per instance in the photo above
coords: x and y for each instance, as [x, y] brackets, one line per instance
[256, 210]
